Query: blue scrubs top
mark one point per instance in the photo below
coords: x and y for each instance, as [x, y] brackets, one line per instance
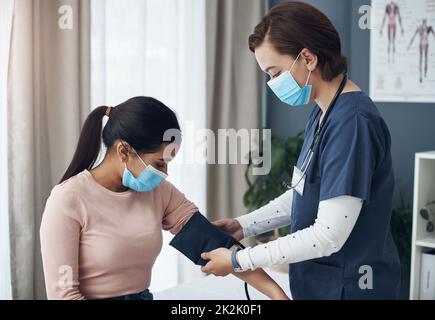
[351, 158]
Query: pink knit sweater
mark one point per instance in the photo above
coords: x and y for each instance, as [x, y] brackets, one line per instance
[97, 243]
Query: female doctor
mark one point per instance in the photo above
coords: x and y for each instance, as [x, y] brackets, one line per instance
[339, 201]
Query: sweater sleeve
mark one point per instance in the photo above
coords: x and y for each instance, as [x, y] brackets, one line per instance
[178, 209]
[60, 238]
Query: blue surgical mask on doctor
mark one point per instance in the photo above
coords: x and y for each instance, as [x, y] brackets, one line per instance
[147, 180]
[288, 90]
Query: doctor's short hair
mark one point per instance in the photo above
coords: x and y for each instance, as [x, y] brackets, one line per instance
[293, 26]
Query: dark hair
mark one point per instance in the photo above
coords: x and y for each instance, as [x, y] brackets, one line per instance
[140, 121]
[293, 26]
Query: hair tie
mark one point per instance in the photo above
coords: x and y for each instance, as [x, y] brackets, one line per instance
[108, 111]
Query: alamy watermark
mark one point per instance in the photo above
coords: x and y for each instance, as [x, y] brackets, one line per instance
[227, 146]
[364, 21]
[66, 19]
[366, 280]
[66, 277]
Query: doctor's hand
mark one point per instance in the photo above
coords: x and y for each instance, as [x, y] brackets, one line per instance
[220, 262]
[231, 227]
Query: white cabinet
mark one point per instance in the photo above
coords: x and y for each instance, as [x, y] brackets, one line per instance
[424, 192]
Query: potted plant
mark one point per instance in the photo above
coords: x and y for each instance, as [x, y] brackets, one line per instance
[401, 230]
[425, 214]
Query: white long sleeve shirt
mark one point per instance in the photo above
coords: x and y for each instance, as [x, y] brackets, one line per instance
[335, 220]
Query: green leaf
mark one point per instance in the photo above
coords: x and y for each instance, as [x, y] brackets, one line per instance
[424, 213]
[429, 227]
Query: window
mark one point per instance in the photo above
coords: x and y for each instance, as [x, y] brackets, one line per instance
[156, 48]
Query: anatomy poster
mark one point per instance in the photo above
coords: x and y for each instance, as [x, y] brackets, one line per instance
[402, 51]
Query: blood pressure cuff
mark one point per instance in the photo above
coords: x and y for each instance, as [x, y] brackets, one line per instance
[197, 236]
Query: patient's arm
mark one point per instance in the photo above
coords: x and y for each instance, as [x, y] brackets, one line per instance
[219, 264]
[198, 236]
[261, 281]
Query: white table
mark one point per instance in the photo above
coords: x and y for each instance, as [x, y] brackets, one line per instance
[219, 288]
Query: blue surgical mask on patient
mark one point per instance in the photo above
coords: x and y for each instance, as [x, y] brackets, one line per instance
[148, 179]
[288, 90]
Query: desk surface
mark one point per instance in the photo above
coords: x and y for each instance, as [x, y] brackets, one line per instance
[219, 288]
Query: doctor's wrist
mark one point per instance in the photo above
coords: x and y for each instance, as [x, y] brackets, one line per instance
[243, 226]
[234, 261]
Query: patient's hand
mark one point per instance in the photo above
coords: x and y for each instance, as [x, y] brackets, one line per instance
[231, 227]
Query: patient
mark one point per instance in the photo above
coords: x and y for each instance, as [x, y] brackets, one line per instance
[102, 227]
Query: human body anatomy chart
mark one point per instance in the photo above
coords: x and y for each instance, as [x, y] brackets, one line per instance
[402, 51]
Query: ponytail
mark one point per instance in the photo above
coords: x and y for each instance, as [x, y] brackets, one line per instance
[139, 121]
[89, 144]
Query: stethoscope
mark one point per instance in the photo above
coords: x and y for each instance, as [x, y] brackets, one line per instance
[320, 125]
[309, 155]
